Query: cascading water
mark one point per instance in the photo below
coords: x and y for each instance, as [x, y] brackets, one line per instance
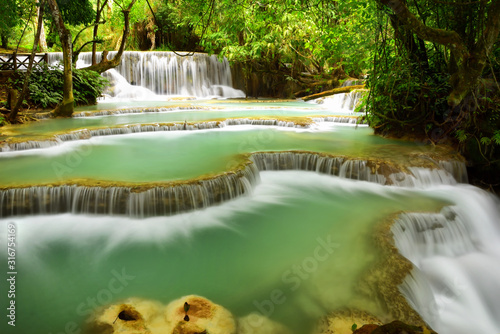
[155, 201]
[344, 102]
[455, 283]
[172, 199]
[138, 128]
[455, 252]
[153, 75]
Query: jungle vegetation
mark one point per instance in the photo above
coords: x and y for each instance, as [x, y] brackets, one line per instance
[432, 67]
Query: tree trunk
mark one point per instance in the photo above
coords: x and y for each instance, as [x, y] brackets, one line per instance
[334, 91]
[106, 64]
[94, 35]
[5, 40]
[66, 107]
[96, 29]
[470, 60]
[42, 43]
[19, 102]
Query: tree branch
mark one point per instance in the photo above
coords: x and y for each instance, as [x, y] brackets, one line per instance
[106, 64]
[77, 53]
[334, 91]
[19, 102]
[450, 39]
[492, 30]
[85, 28]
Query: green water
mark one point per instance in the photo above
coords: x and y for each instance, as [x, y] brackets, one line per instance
[181, 155]
[304, 235]
[222, 110]
[231, 103]
[299, 233]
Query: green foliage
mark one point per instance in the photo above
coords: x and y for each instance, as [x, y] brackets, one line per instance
[406, 98]
[496, 137]
[46, 86]
[88, 86]
[354, 327]
[13, 17]
[9, 15]
[411, 80]
[461, 135]
[176, 32]
[76, 12]
[310, 35]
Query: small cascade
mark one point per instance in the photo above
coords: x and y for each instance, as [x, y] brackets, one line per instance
[448, 174]
[457, 169]
[134, 111]
[343, 102]
[417, 292]
[117, 200]
[268, 122]
[170, 199]
[339, 119]
[121, 89]
[457, 259]
[420, 235]
[136, 128]
[338, 166]
[147, 75]
[29, 145]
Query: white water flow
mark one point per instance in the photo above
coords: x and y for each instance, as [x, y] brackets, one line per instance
[241, 250]
[154, 75]
[344, 102]
[455, 285]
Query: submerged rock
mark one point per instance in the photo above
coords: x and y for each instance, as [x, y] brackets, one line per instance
[344, 321]
[366, 329]
[187, 315]
[398, 327]
[203, 317]
[139, 316]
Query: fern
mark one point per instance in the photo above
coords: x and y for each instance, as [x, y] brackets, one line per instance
[496, 137]
[485, 141]
[461, 135]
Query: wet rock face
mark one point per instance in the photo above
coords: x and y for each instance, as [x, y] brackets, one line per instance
[398, 327]
[366, 329]
[344, 321]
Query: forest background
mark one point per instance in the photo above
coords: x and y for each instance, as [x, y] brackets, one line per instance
[431, 67]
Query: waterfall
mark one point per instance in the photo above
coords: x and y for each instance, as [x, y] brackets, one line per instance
[340, 119]
[147, 75]
[339, 166]
[167, 199]
[456, 255]
[425, 177]
[457, 169]
[134, 111]
[136, 128]
[344, 103]
[134, 201]
[30, 144]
